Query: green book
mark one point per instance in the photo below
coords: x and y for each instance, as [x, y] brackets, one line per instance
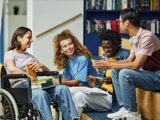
[42, 82]
[47, 84]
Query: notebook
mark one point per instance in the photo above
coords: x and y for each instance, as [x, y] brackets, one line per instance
[42, 82]
[91, 90]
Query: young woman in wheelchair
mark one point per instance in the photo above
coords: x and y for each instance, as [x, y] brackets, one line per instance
[15, 60]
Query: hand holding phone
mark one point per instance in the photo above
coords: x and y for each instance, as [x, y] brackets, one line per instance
[99, 78]
[91, 79]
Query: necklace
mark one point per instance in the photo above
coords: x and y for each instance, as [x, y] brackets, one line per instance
[23, 50]
[20, 51]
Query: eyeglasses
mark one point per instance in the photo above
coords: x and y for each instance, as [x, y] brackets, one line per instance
[119, 21]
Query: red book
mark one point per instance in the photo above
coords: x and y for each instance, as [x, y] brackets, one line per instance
[115, 26]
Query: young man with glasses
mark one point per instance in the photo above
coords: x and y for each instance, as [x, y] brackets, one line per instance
[141, 69]
[102, 101]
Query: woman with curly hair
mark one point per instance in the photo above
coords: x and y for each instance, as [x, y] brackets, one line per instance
[102, 97]
[73, 58]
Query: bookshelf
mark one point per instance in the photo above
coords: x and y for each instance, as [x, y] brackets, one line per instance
[90, 39]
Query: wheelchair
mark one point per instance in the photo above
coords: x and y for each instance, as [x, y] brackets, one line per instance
[16, 102]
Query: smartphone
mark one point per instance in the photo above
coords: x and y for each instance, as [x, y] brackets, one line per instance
[99, 78]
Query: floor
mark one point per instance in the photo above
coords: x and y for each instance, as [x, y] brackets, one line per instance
[93, 115]
[53, 111]
[101, 115]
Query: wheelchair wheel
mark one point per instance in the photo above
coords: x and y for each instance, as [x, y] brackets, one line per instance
[27, 113]
[34, 114]
[9, 106]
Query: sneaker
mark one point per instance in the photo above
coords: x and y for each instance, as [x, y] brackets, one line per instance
[129, 116]
[121, 112]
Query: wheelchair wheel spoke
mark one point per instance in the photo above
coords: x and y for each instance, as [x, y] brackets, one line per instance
[16, 111]
[8, 110]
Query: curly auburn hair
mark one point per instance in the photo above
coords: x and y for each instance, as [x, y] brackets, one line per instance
[60, 60]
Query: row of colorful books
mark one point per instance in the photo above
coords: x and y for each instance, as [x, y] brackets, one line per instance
[121, 4]
[152, 25]
[95, 26]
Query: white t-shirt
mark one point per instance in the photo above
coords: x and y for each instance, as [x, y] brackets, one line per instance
[20, 60]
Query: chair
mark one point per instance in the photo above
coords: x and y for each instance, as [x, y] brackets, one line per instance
[16, 107]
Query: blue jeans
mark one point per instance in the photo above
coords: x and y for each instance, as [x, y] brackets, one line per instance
[125, 81]
[60, 94]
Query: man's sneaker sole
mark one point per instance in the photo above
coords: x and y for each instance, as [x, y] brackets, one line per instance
[125, 118]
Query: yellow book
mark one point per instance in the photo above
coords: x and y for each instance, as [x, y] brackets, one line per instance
[42, 80]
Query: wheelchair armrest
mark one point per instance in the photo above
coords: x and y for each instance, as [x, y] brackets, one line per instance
[50, 73]
[12, 76]
[5, 79]
[46, 73]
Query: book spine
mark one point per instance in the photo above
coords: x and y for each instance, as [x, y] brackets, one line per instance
[157, 24]
[104, 5]
[88, 26]
[93, 4]
[97, 25]
[153, 26]
[148, 25]
[108, 24]
[113, 5]
[109, 4]
[158, 4]
[92, 26]
[86, 4]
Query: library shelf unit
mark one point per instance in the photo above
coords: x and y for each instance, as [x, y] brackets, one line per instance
[90, 39]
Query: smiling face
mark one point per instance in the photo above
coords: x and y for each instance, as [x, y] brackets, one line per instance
[67, 48]
[26, 40]
[109, 48]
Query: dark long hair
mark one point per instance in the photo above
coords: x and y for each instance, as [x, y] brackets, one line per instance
[21, 31]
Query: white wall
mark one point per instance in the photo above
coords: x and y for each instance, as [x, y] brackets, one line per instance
[22, 6]
[42, 15]
[13, 21]
[46, 14]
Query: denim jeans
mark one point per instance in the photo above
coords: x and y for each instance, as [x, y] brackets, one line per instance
[60, 94]
[125, 81]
